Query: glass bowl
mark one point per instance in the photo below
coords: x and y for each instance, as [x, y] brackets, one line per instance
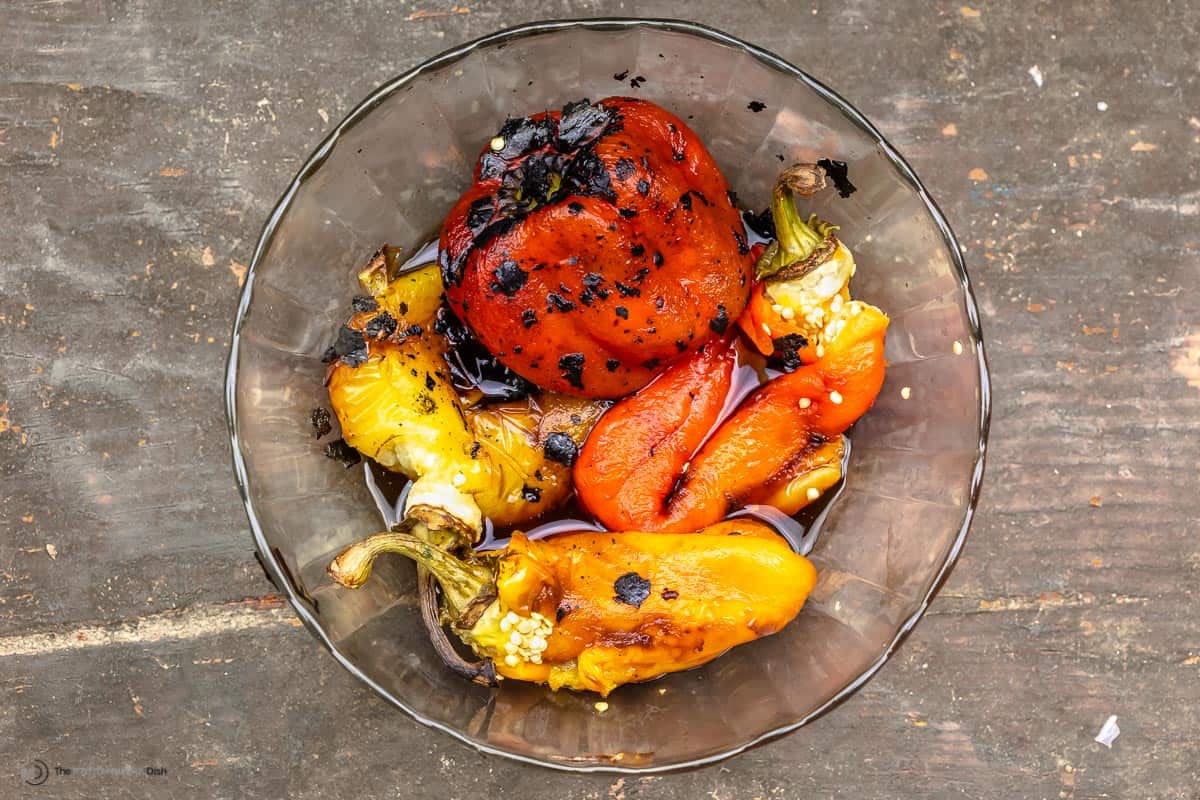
[389, 173]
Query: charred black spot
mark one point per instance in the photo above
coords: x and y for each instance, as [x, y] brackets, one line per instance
[628, 291]
[582, 122]
[622, 312]
[651, 364]
[685, 200]
[430, 383]
[522, 135]
[762, 223]
[658, 259]
[620, 76]
[350, 348]
[480, 214]
[529, 318]
[587, 296]
[637, 81]
[559, 302]
[454, 269]
[721, 321]
[381, 326]
[669, 594]
[537, 178]
[680, 345]
[787, 352]
[643, 187]
[571, 365]
[532, 494]
[659, 303]
[641, 274]
[612, 364]
[475, 448]
[320, 421]
[625, 168]
[425, 403]
[340, 451]
[586, 174]
[362, 302]
[592, 280]
[627, 213]
[575, 207]
[631, 589]
[637, 251]
[756, 106]
[742, 244]
[839, 173]
[561, 448]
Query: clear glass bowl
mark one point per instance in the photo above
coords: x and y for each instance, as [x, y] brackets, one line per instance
[389, 173]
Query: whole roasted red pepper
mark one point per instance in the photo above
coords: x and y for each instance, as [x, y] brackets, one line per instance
[597, 245]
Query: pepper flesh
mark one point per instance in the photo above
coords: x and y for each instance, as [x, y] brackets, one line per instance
[615, 608]
[626, 480]
[598, 245]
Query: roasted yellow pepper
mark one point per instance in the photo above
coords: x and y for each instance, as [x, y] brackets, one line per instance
[593, 611]
[397, 404]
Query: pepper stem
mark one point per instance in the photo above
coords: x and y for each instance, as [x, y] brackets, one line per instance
[797, 242]
[465, 582]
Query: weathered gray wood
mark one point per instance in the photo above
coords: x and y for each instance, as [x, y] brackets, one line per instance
[141, 146]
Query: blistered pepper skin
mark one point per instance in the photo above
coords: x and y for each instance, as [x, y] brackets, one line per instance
[704, 593]
[592, 611]
[630, 256]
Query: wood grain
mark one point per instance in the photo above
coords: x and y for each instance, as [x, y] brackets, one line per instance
[141, 146]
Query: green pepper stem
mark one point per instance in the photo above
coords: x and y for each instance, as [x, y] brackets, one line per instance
[464, 582]
[797, 240]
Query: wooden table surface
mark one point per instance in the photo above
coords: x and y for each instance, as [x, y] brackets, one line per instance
[141, 147]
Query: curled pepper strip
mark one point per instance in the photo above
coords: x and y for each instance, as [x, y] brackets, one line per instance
[594, 611]
[626, 480]
[632, 460]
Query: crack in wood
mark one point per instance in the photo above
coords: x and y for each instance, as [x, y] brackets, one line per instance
[183, 624]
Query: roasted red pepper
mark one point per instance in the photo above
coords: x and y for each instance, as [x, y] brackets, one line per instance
[596, 246]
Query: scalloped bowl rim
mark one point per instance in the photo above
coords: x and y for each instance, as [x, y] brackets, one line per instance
[279, 576]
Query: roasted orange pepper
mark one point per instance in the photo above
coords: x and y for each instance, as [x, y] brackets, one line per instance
[593, 611]
[627, 479]
[803, 275]
[596, 246]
